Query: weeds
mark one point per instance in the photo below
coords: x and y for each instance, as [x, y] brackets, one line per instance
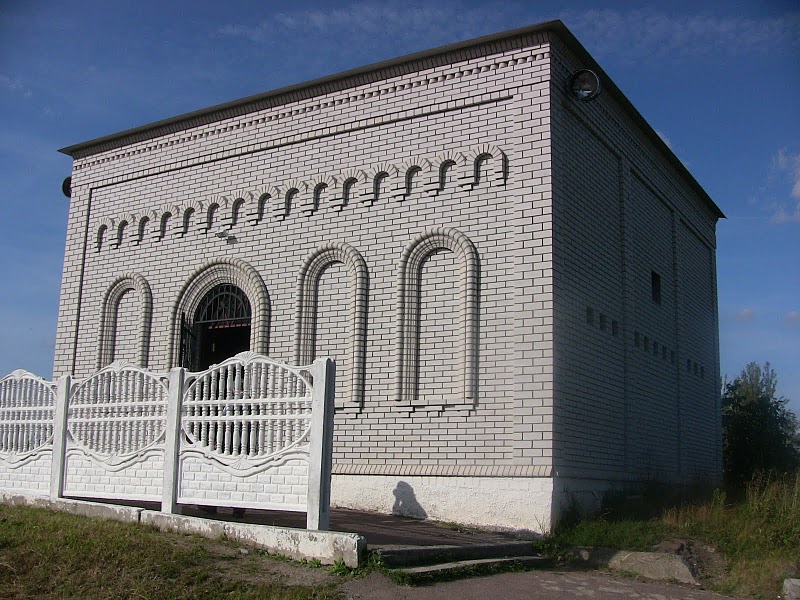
[57, 555]
[373, 563]
[757, 531]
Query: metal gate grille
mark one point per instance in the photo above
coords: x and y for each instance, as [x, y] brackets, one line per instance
[188, 358]
[224, 305]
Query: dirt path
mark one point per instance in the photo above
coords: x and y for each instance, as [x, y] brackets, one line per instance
[545, 585]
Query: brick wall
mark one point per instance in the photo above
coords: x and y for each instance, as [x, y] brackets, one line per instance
[627, 406]
[488, 113]
[569, 208]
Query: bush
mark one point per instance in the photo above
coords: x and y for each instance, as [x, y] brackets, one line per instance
[760, 433]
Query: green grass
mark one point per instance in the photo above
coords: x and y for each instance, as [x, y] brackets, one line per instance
[47, 554]
[757, 533]
[56, 555]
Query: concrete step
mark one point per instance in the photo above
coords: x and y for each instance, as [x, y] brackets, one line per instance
[468, 568]
[409, 556]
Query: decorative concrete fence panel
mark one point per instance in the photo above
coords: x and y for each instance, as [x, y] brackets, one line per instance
[116, 422]
[252, 433]
[249, 432]
[27, 404]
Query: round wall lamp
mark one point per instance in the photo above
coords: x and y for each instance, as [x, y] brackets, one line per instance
[66, 187]
[584, 85]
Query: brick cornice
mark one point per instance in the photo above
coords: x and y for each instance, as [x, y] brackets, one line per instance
[435, 58]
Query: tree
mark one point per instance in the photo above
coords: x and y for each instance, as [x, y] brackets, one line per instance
[760, 433]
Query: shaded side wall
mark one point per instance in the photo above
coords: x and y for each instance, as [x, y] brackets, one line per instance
[626, 404]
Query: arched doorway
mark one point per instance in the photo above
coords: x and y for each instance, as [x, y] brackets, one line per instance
[219, 328]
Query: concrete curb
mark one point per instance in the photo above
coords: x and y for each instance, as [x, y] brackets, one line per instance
[791, 589]
[659, 566]
[327, 547]
[96, 510]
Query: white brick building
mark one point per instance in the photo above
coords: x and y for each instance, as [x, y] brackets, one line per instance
[518, 286]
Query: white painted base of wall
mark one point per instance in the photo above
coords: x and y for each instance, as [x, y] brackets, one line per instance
[513, 503]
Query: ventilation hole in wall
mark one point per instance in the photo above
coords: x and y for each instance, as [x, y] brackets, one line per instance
[655, 348]
[664, 352]
[655, 287]
[703, 372]
[688, 365]
[614, 328]
[695, 368]
[646, 344]
[636, 339]
[602, 322]
[589, 316]
[672, 356]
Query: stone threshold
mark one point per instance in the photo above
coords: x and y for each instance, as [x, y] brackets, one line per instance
[658, 566]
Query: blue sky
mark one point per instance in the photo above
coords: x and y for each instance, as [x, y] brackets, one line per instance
[719, 81]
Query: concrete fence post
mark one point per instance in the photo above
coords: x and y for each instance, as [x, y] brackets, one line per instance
[63, 391]
[323, 372]
[172, 441]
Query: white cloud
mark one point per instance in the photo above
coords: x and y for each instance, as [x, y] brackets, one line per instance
[746, 314]
[381, 22]
[788, 165]
[643, 33]
[664, 138]
[13, 84]
[780, 194]
[627, 35]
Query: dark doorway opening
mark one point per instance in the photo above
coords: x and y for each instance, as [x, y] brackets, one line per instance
[221, 341]
[219, 330]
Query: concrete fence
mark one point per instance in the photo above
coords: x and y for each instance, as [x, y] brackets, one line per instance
[249, 433]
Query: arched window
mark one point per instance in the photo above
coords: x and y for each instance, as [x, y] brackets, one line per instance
[225, 291]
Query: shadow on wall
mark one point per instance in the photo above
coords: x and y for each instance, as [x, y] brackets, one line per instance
[405, 502]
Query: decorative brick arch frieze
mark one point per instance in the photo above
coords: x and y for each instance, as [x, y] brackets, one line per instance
[190, 214]
[260, 205]
[306, 309]
[413, 171]
[474, 160]
[122, 229]
[440, 165]
[141, 224]
[290, 194]
[217, 272]
[298, 198]
[164, 225]
[109, 314]
[213, 213]
[377, 176]
[408, 306]
[321, 196]
[238, 209]
[106, 225]
[352, 188]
